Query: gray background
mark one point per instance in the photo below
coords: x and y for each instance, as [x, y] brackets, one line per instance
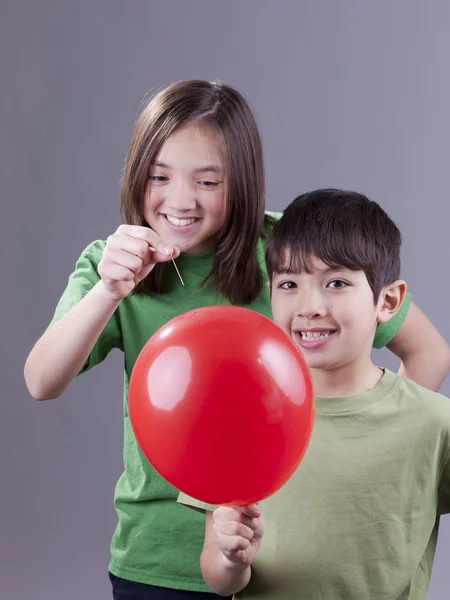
[349, 93]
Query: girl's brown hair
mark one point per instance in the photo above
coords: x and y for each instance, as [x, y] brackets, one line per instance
[235, 271]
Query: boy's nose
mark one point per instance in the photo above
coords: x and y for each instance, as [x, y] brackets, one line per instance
[311, 307]
[309, 314]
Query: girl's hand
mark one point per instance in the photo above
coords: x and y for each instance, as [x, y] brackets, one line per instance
[129, 256]
[239, 531]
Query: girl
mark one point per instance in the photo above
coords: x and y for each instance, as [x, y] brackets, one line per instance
[193, 191]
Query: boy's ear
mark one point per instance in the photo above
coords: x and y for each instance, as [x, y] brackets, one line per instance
[391, 299]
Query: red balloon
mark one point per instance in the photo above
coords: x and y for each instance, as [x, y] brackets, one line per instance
[222, 405]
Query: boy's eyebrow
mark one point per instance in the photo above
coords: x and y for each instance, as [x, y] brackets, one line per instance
[283, 272]
[205, 169]
[287, 271]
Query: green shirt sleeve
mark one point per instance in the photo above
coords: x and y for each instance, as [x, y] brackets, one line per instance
[275, 215]
[386, 331]
[269, 222]
[81, 281]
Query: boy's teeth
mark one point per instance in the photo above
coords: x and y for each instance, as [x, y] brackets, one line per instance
[180, 222]
[313, 335]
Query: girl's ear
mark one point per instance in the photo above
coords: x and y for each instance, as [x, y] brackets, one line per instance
[390, 301]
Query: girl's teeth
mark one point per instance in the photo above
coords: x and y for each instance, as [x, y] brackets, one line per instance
[313, 335]
[180, 222]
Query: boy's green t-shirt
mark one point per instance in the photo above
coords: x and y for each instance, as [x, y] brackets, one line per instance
[157, 541]
[359, 518]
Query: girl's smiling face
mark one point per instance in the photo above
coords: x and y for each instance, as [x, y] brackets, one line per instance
[185, 198]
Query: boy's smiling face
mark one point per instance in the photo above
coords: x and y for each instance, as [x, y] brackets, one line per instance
[329, 313]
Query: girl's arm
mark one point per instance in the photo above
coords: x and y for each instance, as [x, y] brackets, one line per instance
[64, 348]
[424, 353]
[232, 539]
[129, 255]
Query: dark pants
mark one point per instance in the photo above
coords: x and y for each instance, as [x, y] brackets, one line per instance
[130, 590]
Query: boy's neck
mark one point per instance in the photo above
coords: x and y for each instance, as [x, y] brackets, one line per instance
[354, 378]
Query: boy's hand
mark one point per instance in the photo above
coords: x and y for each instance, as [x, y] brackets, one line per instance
[129, 256]
[239, 531]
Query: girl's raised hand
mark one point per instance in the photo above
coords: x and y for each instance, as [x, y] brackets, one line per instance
[129, 256]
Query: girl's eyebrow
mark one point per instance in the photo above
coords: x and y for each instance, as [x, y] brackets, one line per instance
[206, 169]
[210, 168]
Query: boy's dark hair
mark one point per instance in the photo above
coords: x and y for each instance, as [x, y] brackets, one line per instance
[341, 228]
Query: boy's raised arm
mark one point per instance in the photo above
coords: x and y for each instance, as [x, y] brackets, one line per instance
[424, 353]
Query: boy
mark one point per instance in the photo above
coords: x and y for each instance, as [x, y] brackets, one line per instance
[359, 519]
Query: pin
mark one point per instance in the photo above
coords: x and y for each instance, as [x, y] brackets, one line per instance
[178, 272]
[174, 264]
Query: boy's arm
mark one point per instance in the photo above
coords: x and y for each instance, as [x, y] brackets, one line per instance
[232, 539]
[424, 353]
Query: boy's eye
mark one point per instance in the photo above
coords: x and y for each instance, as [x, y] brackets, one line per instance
[287, 285]
[337, 284]
[158, 178]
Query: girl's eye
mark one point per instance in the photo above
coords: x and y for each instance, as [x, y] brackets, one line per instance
[287, 285]
[337, 284]
[158, 178]
[208, 184]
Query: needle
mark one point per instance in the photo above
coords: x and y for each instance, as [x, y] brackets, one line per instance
[174, 264]
[178, 272]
